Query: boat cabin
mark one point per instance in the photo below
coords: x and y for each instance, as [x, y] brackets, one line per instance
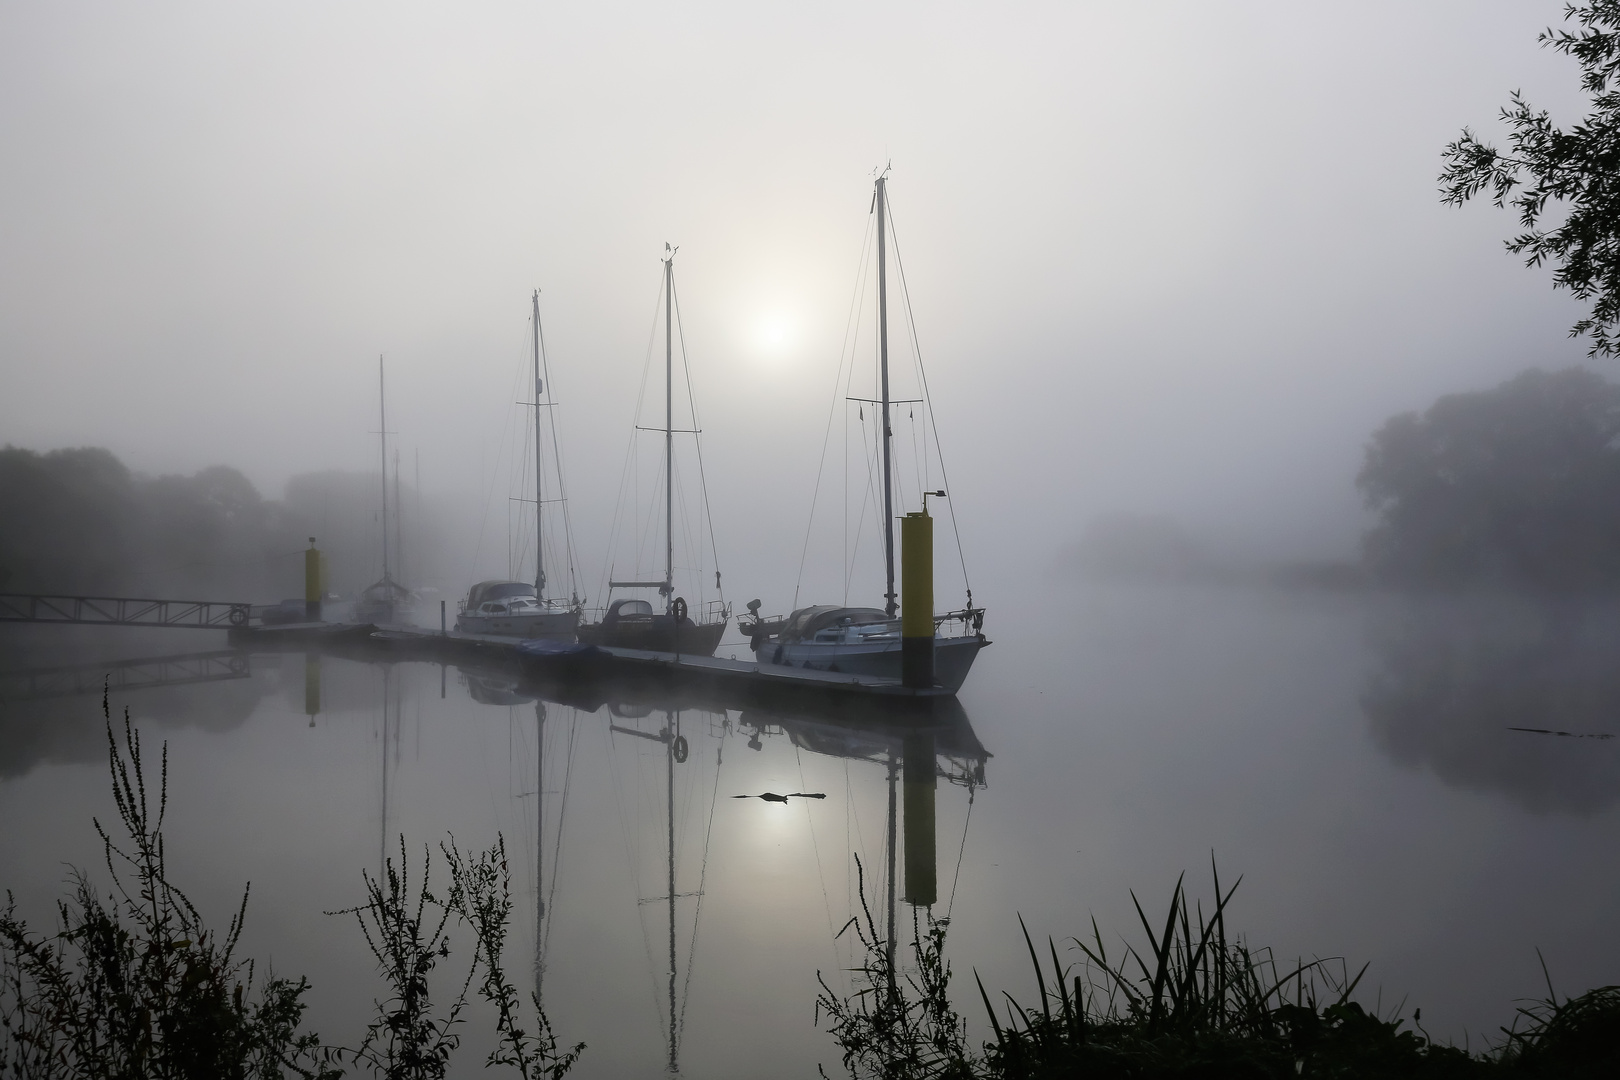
[628, 611]
[491, 591]
[516, 605]
[829, 622]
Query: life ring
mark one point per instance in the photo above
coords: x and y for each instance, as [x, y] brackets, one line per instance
[678, 609]
[239, 615]
[680, 748]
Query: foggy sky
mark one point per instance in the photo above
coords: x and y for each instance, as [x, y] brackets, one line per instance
[1177, 258]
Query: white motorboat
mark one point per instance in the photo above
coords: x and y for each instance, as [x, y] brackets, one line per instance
[512, 609]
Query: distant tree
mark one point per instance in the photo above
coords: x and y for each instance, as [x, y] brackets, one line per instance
[1519, 485]
[1574, 172]
[79, 521]
[65, 520]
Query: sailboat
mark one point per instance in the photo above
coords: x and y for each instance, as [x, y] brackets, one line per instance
[868, 640]
[386, 600]
[517, 608]
[633, 623]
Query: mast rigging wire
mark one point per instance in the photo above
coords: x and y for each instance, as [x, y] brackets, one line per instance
[703, 874]
[851, 326]
[697, 441]
[933, 421]
[627, 473]
[556, 457]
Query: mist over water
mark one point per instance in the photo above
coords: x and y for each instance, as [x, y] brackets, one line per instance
[1350, 755]
[1169, 270]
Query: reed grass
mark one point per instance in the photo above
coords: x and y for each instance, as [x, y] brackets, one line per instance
[1189, 1000]
[136, 985]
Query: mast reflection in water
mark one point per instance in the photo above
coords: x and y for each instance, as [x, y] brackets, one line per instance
[667, 765]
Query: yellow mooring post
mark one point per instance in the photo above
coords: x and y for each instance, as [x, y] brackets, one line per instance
[312, 583]
[918, 781]
[917, 599]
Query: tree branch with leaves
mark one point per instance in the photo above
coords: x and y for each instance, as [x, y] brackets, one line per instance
[1564, 184]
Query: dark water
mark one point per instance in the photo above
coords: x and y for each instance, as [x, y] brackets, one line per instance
[1351, 757]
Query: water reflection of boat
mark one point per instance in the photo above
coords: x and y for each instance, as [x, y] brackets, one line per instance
[675, 751]
[545, 885]
[666, 755]
[633, 623]
[914, 757]
[494, 688]
[861, 640]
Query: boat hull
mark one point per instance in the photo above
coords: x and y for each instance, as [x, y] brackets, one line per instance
[953, 657]
[656, 635]
[523, 625]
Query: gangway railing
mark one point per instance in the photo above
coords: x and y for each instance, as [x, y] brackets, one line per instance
[122, 611]
[120, 676]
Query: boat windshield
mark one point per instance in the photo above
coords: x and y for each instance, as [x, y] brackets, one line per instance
[505, 589]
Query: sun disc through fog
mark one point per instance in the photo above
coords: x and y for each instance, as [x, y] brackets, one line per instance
[774, 337]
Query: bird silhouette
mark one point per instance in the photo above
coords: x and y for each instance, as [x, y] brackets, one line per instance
[771, 796]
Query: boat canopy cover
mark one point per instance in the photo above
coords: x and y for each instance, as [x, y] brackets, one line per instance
[385, 591]
[497, 590]
[803, 624]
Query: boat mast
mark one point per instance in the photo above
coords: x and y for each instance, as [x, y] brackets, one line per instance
[889, 605]
[399, 520]
[669, 430]
[539, 565]
[382, 410]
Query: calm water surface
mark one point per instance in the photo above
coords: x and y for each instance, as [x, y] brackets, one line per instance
[1351, 757]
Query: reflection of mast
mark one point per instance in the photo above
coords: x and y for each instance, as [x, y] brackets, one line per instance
[382, 832]
[539, 846]
[890, 907]
[675, 751]
[544, 891]
[669, 788]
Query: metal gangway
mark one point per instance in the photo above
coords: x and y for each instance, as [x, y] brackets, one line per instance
[122, 611]
[119, 676]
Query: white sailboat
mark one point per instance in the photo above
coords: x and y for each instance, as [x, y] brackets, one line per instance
[867, 640]
[385, 600]
[518, 608]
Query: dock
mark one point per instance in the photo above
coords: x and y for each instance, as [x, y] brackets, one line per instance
[592, 675]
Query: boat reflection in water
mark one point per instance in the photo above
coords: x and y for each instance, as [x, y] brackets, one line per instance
[666, 758]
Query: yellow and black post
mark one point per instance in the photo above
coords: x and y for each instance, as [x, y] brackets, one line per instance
[917, 598]
[918, 782]
[312, 583]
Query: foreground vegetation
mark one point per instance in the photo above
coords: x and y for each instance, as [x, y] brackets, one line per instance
[134, 983]
[1190, 1002]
